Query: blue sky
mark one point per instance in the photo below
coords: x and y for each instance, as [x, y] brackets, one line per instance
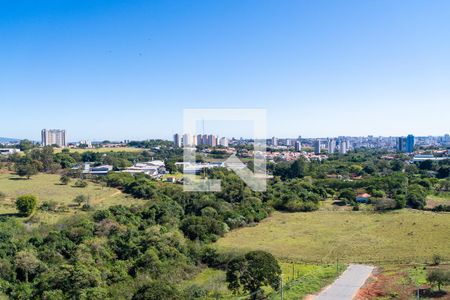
[127, 69]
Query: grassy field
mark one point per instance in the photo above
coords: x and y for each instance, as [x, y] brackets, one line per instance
[47, 188]
[103, 150]
[299, 280]
[434, 200]
[325, 236]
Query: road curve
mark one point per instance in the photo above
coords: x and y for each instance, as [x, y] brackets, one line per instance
[347, 285]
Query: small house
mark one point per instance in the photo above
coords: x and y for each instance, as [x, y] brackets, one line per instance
[363, 198]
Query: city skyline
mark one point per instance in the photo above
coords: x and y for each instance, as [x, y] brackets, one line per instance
[322, 69]
[218, 136]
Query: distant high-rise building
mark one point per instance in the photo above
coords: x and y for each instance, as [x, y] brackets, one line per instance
[223, 142]
[212, 140]
[298, 146]
[187, 140]
[405, 144]
[317, 146]
[274, 141]
[447, 139]
[410, 143]
[401, 144]
[331, 146]
[200, 139]
[343, 146]
[53, 137]
[177, 140]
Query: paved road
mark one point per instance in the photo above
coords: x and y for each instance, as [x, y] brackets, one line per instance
[347, 285]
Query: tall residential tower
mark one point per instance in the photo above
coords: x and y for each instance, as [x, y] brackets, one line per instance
[51, 137]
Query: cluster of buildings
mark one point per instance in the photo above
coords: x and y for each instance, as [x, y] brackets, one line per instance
[406, 144]
[189, 140]
[331, 145]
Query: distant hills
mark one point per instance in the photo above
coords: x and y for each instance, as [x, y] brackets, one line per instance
[8, 140]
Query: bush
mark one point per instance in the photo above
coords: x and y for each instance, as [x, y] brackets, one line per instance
[49, 206]
[385, 204]
[437, 260]
[438, 277]
[64, 179]
[156, 290]
[26, 204]
[80, 183]
[80, 199]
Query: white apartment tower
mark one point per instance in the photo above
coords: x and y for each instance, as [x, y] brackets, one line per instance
[51, 137]
[274, 141]
[223, 142]
[331, 146]
[343, 147]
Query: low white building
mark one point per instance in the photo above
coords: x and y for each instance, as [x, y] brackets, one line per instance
[152, 168]
[8, 151]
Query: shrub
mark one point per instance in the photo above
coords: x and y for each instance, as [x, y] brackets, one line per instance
[81, 183]
[26, 204]
[438, 277]
[49, 206]
[436, 260]
[64, 179]
[385, 204]
[80, 199]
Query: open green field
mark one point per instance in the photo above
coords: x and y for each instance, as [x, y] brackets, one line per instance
[103, 150]
[47, 188]
[324, 236]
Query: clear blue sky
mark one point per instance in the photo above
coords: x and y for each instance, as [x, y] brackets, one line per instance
[127, 69]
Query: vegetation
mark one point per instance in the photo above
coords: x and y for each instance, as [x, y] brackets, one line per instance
[324, 236]
[134, 237]
[252, 271]
[26, 204]
[438, 277]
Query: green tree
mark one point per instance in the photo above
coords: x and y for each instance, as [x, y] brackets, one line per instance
[26, 204]
[253, 271]
[416, 197]
[27, 169]
[297, 169]
[438, 277]
[157, 290]
[25, 145]
[27, 263]
[64, 179]
[348, 195]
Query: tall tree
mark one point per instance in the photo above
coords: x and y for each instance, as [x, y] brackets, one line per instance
[253, 271]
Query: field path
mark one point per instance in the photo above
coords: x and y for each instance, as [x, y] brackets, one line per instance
[348, 284]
